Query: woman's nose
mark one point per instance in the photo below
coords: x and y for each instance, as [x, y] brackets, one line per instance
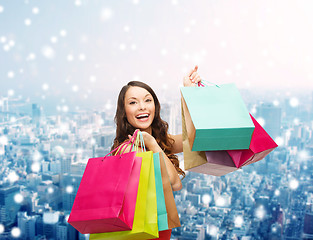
[142, 105]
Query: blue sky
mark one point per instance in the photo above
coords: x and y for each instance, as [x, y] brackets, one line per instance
[82, 52]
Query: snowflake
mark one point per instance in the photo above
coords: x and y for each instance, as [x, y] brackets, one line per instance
[122, 46]
[50, 190]
[92, 78]
[48, 52]
[213, 231]
[35, 167]
[63, 33]
[16, 232]
[206, 199]
[69, 189]
[65, 108]
[126, 28]
[11, 93]
[18, 198]
[13, 177]
[45, 86]
[35, 10]
[70, 58]
[4, 140]
[27, 22]
[294, 184]
[106, 14]
[294, 102]
[276, 103]
[78, 3]
[82, 57]
[11, 74]
[260, 212]
[75, 88]
[220, 201]
[54, 39]
[238, 221]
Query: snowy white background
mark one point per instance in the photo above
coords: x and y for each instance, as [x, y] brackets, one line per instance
[81, 52]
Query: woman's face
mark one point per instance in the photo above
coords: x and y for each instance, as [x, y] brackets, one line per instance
[139, 108]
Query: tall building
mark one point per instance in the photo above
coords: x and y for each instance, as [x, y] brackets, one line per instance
[308, 224]
[61, 232]
[50, 222]
[170, 112]
[71, 181]
[66, 163]
[27, 224]
[5, 109]
[272, 118]
[5, 105]
[8, 207]
[36, 114]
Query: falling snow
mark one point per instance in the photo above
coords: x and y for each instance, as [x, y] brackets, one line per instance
[18, 198]
[16, 232]
[69, 189]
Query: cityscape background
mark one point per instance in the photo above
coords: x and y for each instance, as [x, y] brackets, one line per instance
[62, 64]
[43, 159]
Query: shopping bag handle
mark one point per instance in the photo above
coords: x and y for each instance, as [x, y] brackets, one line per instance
[124, 145]
[139, 139]
[132, 141]
[204, 83]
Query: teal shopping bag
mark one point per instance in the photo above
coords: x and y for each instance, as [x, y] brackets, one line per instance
[161, 207]
[216, 118]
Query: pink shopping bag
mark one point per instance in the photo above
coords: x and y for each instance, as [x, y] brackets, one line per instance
[106, 197]
[261, 145]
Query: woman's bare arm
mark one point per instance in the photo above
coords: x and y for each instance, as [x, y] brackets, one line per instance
[178, 143]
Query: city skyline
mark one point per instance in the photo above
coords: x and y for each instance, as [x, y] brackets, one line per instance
[43, 157]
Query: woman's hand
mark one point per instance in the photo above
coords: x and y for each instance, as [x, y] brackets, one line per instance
[148, 139]
[192, 78]
[152, 145]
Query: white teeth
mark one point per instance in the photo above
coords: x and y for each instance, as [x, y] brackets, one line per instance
[142, 115]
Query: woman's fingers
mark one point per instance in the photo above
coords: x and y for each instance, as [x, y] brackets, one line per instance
[195, 78]
[192, 78]
[193, 75]
[193, 70]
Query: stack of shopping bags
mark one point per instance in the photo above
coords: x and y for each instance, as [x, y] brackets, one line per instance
[219, 134]
[125, 196]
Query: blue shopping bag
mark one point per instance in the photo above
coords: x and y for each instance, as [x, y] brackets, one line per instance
[216, 118]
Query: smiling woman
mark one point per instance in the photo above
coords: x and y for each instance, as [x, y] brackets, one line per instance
[138, 108]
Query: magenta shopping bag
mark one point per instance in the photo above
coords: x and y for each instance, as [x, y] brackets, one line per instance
[106, 198]
[261, 145]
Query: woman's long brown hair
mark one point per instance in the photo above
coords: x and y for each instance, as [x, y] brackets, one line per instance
[159, 127]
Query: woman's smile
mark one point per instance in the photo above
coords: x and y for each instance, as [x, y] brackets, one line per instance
[143, 117]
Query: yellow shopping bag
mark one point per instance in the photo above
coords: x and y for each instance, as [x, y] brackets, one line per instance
[145, 224]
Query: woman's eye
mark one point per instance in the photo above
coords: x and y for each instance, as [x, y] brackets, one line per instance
[148, 100]
[132, 102]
